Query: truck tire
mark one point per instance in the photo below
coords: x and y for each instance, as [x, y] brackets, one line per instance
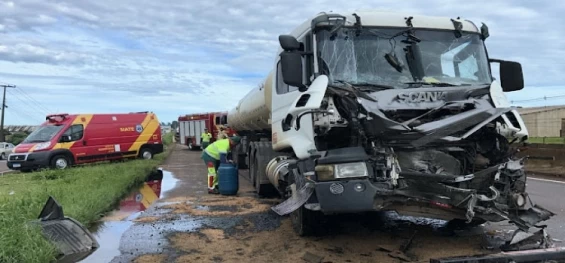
[252, 167]
[305, 222]
[241, 161]
[60, 162]
[146, 153]
[3, 156]
[190, 146]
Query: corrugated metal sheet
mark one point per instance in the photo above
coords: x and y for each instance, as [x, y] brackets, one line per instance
[20, 128]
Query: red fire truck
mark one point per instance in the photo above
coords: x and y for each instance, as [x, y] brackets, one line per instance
[191, 127]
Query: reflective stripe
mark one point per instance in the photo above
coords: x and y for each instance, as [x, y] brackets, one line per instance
[219, 146]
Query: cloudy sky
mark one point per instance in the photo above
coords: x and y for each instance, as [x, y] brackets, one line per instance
[177, 57]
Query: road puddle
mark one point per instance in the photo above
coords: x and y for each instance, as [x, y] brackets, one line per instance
[111, 228]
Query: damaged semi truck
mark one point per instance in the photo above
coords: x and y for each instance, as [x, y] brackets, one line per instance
[375, 111]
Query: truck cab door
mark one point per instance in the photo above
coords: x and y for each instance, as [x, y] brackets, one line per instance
[73, 140]
[287, 103]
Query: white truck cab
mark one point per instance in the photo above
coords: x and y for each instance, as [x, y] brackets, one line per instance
[373, 111]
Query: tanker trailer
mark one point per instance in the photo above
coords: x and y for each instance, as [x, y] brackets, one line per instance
[377, 111]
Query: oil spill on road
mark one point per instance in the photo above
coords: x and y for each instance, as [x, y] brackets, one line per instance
[223, 206]
[231, 216]
[111, 228]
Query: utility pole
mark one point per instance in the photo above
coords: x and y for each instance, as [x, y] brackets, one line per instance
[2, 135]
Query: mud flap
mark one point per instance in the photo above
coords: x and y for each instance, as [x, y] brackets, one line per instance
[297, 199]
[71, 239]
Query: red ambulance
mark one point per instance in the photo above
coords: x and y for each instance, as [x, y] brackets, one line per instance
[64, 140]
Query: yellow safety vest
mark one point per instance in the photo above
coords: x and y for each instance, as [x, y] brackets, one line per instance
[219, 146]
[206, 137]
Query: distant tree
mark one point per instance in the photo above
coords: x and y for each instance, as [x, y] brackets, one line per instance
[16, 138]
[174, 124]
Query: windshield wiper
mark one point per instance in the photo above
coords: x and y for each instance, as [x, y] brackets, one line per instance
[351, 88]
[365, 84]
[32, 141]
[436, 84]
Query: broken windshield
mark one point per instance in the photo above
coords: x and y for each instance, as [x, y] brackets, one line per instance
[360, 58]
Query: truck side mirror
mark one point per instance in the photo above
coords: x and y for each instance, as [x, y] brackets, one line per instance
[65, 138]
[511, 75]
[291, 67]
[289, 43]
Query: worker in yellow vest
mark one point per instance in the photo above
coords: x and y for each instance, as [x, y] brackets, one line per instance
[206, 136]
[211, 157]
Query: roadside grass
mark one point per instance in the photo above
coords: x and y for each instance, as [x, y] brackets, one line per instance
[547, 140]
[168, 138]
[85, 193]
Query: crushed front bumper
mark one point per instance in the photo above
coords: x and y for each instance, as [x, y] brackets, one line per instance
[346, 196]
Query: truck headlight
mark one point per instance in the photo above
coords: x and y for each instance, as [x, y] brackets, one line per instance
[342, 170]
[41, 146]
[348, 170]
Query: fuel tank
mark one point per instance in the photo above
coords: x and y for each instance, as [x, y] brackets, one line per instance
[253, 111]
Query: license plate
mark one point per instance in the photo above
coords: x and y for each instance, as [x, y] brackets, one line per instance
[17, 165]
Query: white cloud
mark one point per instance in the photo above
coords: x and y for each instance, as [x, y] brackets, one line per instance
[179, 57]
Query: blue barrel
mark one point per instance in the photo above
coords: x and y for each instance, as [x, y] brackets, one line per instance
[228, 177]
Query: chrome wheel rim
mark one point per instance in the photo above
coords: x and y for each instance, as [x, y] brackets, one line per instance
[61, 163]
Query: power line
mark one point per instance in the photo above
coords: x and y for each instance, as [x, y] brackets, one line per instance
[24, 115]
[35, 108]
[538, 99]
[37, 103]
[34, 103]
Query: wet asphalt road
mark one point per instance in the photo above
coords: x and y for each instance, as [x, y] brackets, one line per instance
[3, 167]
[188, 225]
[550, 193]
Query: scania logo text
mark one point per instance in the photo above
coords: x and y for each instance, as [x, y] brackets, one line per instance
[424, 96]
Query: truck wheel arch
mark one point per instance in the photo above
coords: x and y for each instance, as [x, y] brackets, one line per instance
[145, 150]
[152, 148]
[61, 152]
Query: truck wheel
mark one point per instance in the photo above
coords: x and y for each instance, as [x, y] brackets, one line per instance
[241, 161]
[146, 154]
[260, 189]
[60, 162]
[3, 156]
[190, 146]
[304, 221]
[252, 168]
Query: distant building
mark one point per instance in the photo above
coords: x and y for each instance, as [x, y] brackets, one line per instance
[547, 121]
[20, 128]
[165, 129]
